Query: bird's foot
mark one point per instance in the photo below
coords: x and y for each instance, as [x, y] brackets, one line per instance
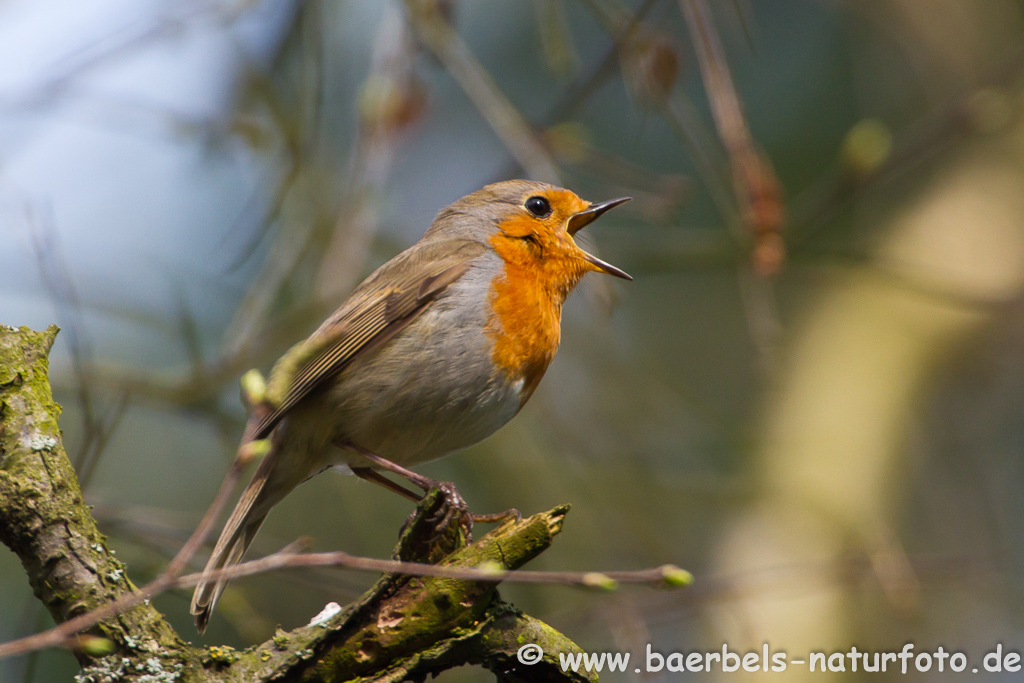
[452, 511]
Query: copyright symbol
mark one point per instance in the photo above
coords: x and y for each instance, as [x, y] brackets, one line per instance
[529, 654]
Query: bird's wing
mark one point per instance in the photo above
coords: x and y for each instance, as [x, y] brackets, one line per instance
[382, 306]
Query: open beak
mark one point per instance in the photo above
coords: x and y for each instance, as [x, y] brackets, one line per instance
[582, 219]
[606, 267]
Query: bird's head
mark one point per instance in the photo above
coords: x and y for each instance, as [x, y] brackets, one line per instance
[531, 225]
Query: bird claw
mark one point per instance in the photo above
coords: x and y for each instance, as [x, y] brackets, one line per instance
[453, 509]
[495, 517]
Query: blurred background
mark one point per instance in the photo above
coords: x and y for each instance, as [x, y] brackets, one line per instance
[812, 396]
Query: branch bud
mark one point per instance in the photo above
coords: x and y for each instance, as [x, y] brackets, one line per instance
[95, 646]
[674, 576]
[254, 450]
[600, 581]
[254, 388]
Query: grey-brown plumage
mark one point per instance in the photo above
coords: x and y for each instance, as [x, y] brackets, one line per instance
[406, 368]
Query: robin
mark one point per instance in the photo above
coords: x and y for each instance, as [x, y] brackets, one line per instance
[432, 353]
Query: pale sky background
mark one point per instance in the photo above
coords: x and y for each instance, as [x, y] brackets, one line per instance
[103, 108]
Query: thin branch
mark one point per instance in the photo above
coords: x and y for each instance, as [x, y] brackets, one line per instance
[57, 280]
[108, 425]
[665, 575]
[506, 121]
[757, 188]
[725, 103]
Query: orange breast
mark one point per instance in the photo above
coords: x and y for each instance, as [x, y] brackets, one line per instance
[525, 324]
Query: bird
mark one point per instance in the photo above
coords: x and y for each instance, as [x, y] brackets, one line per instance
[435, 351]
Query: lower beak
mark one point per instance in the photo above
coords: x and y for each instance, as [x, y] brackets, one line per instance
[606, 267]
[582, 219]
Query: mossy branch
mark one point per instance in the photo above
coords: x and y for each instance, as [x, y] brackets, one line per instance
[404, 627]
[43, 517]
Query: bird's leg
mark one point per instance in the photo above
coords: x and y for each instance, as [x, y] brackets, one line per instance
[426, 484]
[455, 508]
[371, 475]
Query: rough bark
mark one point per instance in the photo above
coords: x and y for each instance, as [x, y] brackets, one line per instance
[403, 628]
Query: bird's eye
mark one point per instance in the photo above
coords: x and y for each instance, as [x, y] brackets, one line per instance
[538, 206]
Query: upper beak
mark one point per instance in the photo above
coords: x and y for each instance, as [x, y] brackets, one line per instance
[582, 219]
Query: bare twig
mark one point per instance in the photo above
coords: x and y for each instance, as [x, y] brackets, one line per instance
[54, 273]
[108, 425]
[669, 575]
[393, 98]
[757, 188]
[506, 121]
[725, 103]
[97, 429]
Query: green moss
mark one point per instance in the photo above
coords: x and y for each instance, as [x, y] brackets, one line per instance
[220, 655]
[281, 640]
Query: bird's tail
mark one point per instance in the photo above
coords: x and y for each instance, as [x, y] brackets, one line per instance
[240, 529]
